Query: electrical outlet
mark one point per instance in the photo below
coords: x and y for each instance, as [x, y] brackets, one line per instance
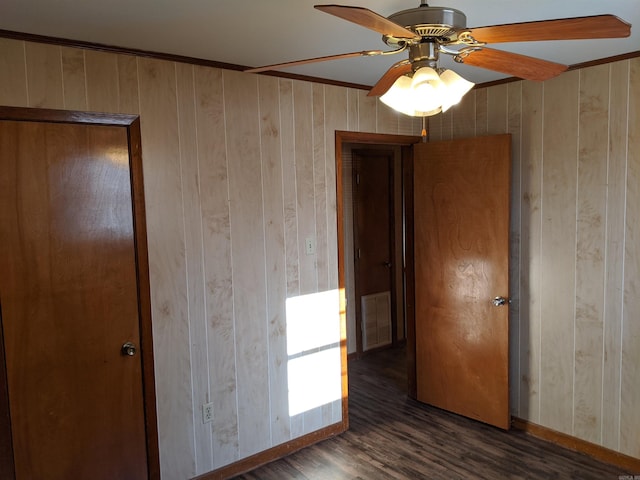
[207, 412]
[309, 246]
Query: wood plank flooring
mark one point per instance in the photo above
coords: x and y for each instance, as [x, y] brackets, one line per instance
[394, 437]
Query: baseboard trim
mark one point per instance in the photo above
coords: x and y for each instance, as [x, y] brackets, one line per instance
[630, 464]
[274, 453]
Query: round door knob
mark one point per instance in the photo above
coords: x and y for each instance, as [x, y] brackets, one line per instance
[129, 349]
[499, 301]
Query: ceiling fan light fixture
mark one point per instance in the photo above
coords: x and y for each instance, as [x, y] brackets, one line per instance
[456, 87]
[427, 89]
[399, 97]
[426, 93]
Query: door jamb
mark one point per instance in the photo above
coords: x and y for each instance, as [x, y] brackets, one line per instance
[132, 124]
[342, 137]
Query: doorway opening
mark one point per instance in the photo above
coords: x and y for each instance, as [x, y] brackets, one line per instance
[445, 258]
[373, 247]
[353, 148]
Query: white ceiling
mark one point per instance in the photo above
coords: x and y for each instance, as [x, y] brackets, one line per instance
[254, 32]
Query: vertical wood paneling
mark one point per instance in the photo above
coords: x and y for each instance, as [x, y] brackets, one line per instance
[465, 116]
[497, 109]
[352, 110]
[434, 128]
[366, 112]
[514, 114]
[590, 251]
[13, 76]
[386, 119]
[614, 280]
[630, 375]
[216, 240]
[287, 122]
[290, 195]
[167, 269]
[320, 187]
[417, 126]
[303, 128]
[482, 126]
[406, 124]
[559, 250]
[303, 95]
[102, 81]
[192, 218]
[336, 119]
[248, 253]
[530, 304]
[271, 159]
[128, 101]
[446, 124]
[44, 75]
[74, 79]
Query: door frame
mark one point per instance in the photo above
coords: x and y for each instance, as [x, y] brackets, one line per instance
[362, 138]
[132, 124]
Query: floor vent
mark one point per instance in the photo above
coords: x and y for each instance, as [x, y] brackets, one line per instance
[376, 320]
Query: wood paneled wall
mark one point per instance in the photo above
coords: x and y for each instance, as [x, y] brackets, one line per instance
[575, 245]
[239, 170]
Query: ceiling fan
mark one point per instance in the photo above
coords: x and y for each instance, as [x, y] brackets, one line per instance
[426, 32]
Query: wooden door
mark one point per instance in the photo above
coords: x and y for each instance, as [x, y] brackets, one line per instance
[372, 222]
[71, 298]
[461, 225]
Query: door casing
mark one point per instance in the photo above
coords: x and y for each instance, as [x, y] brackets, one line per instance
[132, 125]
[406, 142]
[369, 139]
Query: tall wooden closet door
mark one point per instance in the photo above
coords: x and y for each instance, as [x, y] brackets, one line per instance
[69, 300]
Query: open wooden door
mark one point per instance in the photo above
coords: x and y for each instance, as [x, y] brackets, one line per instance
[461, 234]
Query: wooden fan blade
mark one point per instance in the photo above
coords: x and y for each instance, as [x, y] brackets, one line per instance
[580, 28]
[278, 66]
[522, 66]
[368, 19]
[390, 76]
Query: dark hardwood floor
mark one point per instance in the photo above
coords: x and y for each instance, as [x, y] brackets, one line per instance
[394, 437]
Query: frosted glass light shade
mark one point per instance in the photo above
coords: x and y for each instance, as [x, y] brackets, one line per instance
[427, 93]
[456, 88]
[398, 96]
[427, 89]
